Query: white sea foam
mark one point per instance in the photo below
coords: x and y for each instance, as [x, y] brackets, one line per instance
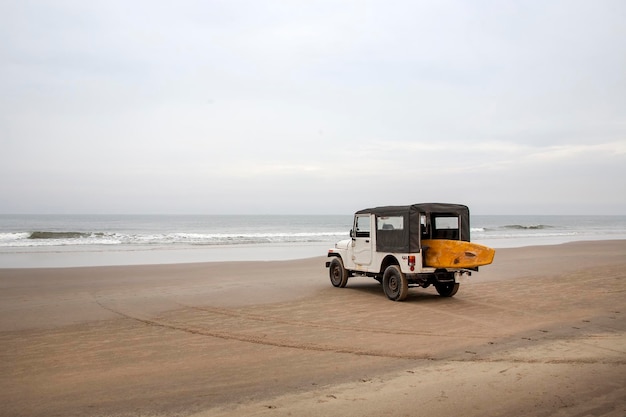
[48, 239]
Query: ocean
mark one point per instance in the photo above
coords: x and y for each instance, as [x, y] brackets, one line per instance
[94, 240]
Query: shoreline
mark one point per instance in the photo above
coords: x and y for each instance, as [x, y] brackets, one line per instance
[64, 257]
[158, 256]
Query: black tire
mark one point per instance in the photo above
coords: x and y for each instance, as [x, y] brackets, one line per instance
[338, 274]
[447, 289]
[395, 284]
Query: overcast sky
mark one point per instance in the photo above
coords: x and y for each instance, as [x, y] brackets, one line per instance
[306, 107]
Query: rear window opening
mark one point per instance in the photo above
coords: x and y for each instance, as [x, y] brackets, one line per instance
[446, 227]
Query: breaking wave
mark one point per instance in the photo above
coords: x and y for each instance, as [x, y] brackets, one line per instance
[511, 227]
[522, 227]
[62, 235]
[69, 238]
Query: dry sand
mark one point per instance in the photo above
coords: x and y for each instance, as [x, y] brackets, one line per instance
[541, 332]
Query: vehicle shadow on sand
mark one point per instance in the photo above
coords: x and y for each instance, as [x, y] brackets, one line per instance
[367, 286]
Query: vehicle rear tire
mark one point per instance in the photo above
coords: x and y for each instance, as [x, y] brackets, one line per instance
[395, 284]
[337, 272]
[447, 289]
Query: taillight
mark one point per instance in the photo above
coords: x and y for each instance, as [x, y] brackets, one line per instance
[412, 262]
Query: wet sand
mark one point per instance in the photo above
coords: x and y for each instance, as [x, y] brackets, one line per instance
[541, 332]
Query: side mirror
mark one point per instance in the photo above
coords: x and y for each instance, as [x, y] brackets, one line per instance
[352, 233]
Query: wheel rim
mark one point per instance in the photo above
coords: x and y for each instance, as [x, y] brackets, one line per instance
[393, 285]
[336, 276]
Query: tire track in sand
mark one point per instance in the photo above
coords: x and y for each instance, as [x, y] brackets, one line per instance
[229, 324]
[260, 339]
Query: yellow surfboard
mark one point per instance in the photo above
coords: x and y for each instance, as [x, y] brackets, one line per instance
[443, 253]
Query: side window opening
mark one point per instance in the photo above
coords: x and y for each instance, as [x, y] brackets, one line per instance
[424, 226]
[390, 223]
[362, 226]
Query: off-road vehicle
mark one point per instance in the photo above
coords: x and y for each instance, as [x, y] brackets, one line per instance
[409, 246]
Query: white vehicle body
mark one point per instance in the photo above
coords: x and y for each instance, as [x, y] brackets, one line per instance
[385, 244]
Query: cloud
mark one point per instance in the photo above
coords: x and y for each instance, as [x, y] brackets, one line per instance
[209, 106]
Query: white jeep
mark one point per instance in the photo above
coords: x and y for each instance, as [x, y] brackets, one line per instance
[386, 244]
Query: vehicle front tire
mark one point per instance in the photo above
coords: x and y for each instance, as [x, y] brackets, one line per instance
[338, 273]
[395, 284]
[447, 289]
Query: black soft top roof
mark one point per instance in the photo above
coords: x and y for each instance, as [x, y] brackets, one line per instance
[421, 208]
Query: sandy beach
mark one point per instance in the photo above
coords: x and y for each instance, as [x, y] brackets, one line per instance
[541, 332]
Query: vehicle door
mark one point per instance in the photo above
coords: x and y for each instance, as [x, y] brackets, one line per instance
[362, 239]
